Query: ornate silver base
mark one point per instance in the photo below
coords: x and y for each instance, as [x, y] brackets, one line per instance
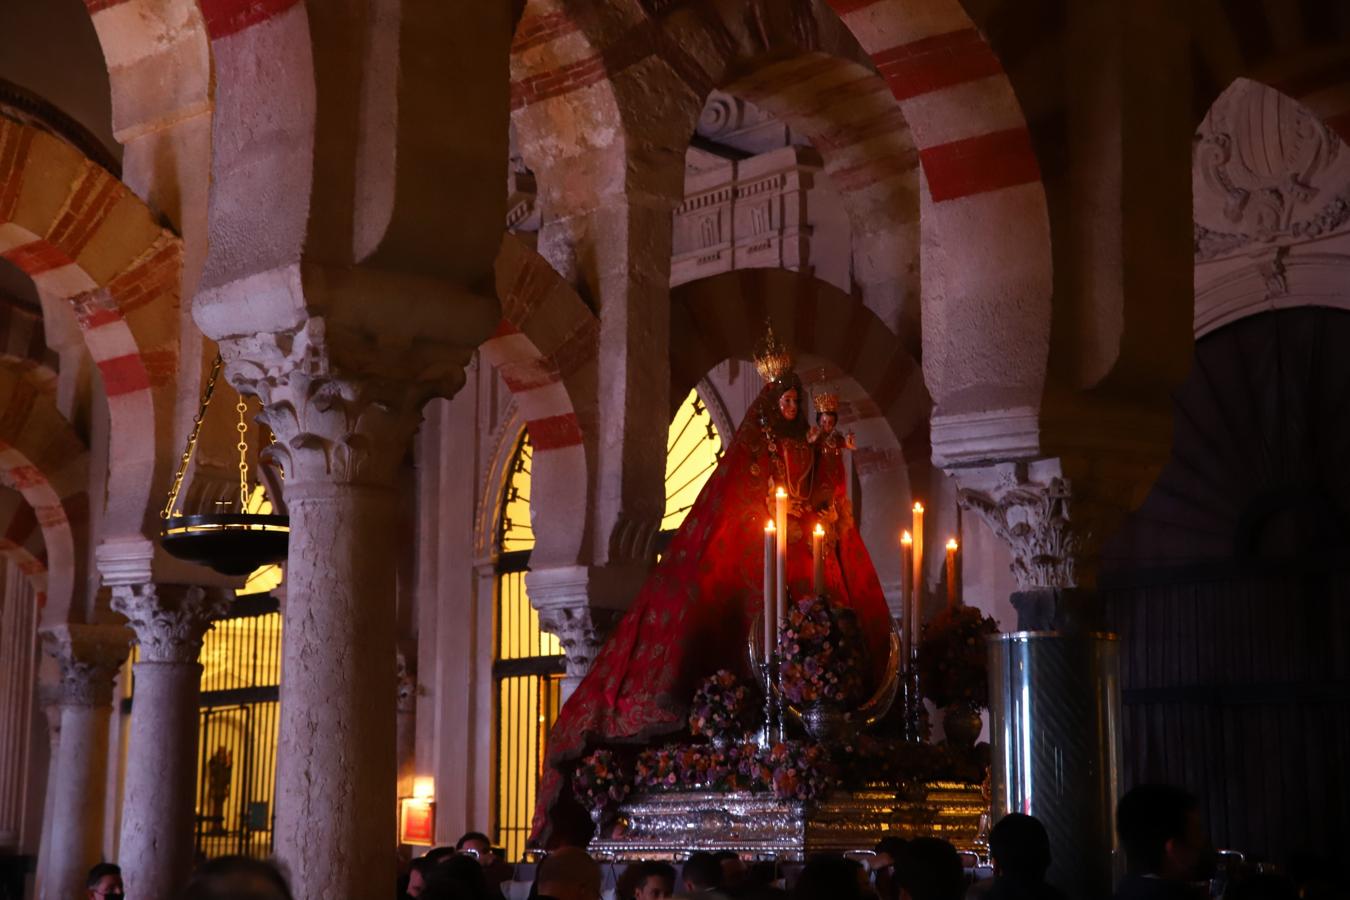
[671, 825]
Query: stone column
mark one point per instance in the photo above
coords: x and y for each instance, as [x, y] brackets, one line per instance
[158, 796]
[18, 608]
[618, 253]
[613, 242]
[89, 656]
[340, 439]
[49, 700]
[1055, 514]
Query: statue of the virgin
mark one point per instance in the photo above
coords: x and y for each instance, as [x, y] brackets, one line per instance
[694, 613]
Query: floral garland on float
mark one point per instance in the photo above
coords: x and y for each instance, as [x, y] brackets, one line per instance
[820, 660]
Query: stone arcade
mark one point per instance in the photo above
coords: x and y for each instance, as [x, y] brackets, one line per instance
[489, 277]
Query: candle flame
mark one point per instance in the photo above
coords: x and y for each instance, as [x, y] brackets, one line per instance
[918, 507]
[770, 526]
[906, 538]
[951, 545]
[820, 531]
[780, 493]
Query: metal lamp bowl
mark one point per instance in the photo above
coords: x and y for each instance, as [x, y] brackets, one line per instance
[231, 543]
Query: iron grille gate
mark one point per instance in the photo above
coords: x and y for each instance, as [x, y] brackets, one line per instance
[237, 732]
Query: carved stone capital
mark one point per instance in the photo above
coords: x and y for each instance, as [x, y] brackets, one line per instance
[581, 631]
[334, 421]
[90, 657]
[169, 620]
[581, 604]
[1053, 514]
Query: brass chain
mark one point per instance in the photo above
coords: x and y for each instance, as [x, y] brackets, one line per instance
[192, 438]
[242, 447]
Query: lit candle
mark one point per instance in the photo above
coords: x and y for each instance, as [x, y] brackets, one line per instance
[918, 562]
[908, 637]
[951, 572]
[770, 615]
[818, 557]
[780, 585]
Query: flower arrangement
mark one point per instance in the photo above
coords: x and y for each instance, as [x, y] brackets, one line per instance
[600, 781]
[719, 707]
[692, 766]
[657, 769]
[793, 770]
[953, 668]
[821, 654]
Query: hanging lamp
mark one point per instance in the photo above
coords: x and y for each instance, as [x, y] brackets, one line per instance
[232, 543]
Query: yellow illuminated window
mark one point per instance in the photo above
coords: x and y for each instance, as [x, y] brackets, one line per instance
[527, 669]
[693, 448]
[529, 662]
[515, 530]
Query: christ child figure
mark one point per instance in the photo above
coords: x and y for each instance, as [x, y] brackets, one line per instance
[829, 489]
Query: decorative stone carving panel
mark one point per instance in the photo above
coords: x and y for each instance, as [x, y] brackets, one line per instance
[750, 214]
[1266, 171]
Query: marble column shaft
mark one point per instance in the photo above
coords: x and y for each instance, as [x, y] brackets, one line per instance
[341, 440]
[90, 657]
[158, 800]
[336, 772]
[49, 700]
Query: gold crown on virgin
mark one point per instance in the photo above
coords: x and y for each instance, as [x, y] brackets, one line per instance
[826, 402]
[772, 358]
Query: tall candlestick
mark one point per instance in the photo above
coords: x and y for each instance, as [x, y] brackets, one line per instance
[918, 563]
[770, 612]
[780, 606]
[818, 558]
[908, 639]
[951, 572]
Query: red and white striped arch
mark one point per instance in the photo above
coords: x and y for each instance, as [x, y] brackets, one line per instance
[986, 262]
[43, 459]
[159, 66]
[723, 317]
[545, 352]
[84, 238]
[986, 265]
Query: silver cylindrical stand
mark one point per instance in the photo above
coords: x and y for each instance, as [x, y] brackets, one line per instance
[1055, 736]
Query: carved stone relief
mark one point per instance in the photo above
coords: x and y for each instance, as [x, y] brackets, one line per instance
[1265, 170]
